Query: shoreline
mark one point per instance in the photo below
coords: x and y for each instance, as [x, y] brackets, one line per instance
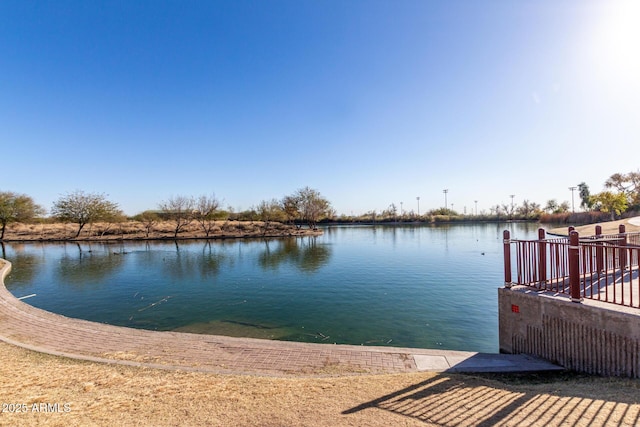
[134, 231]
[167, 238]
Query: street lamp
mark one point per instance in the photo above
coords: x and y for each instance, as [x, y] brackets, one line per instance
[573, 208]
[512, 196]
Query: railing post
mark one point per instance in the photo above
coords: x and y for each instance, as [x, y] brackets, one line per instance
[623, 249]
[507, 259]
[574, 266]
[542, 257]
[570, 229]
[599, 250]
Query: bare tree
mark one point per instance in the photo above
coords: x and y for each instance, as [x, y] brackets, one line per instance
[84, 208]
[391, 212]
[290, 207]
[552, 206]
[312, 206]
[496, 210]
[115, 219]
[270, 211]
[528, 209]
[206, 208]
[508, 209]
[148, 219]
[180, 209]
[16, 208]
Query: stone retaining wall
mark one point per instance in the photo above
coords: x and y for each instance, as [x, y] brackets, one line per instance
[591, 337]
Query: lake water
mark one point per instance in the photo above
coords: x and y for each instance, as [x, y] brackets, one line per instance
[405, 285]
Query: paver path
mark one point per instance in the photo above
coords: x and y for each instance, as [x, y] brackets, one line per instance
[36, 329]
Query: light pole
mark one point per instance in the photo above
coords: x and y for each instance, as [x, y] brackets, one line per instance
[512, 196]
[418, 199]
[445, 191]
[573, 208]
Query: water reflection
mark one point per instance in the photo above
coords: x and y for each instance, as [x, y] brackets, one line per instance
[313, 255]
[187, 264]
[306, 254]
[81, 265]
[25, 265]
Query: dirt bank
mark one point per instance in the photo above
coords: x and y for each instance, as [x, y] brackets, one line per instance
[135, 230]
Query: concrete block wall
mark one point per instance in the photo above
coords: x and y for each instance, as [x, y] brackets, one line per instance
[592, 337]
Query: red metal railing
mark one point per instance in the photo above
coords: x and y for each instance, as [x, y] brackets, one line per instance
[599, 267]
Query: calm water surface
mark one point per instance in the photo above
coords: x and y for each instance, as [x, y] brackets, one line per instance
[406, 286]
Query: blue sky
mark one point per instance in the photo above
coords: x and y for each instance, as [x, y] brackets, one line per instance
[370, 102]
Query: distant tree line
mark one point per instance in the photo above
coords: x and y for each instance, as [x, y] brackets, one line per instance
[621, 195]
[305, 206]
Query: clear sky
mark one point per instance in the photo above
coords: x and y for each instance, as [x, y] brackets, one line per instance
[369, 102]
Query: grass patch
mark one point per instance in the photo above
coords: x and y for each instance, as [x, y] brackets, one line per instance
[101, 394]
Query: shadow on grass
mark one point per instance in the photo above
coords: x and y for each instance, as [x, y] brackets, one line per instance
[557, 399]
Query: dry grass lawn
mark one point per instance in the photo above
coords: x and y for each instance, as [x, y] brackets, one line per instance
[99, 394]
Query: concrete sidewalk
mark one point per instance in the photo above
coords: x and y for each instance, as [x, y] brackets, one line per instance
[39, 330]
[457, 361]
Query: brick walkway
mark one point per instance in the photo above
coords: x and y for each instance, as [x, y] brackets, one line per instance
[32, 328]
